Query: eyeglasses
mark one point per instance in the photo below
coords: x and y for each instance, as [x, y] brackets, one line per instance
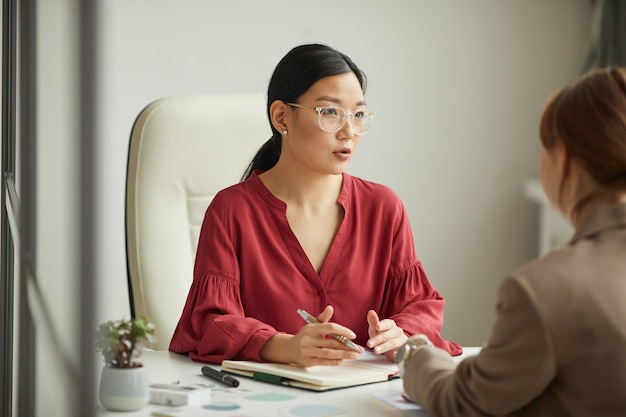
[332, 118]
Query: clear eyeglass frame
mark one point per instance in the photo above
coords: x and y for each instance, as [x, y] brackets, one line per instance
[332, 119]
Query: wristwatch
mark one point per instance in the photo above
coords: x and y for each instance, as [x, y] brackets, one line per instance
[406, 350]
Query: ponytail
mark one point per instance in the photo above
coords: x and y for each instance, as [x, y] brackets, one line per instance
[266, 157]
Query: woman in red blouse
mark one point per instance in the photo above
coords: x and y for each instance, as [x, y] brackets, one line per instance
[300, 233]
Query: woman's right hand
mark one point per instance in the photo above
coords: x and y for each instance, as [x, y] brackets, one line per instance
[312, 345]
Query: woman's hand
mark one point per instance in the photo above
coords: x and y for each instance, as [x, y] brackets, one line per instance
[385, 336]
[312, 345]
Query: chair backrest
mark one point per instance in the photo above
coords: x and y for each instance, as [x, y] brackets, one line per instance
[182, 151]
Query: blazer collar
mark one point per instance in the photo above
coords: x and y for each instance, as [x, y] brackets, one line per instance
[601, 219]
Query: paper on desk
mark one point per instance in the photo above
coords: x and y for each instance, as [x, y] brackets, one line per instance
[396, 400]
[369, 358]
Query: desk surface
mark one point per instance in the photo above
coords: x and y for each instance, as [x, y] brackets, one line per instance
[166, 367]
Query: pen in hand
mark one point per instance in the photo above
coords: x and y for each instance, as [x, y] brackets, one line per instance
[220, 376]
[311, 319]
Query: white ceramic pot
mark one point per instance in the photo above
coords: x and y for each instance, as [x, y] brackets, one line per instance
[124, 389]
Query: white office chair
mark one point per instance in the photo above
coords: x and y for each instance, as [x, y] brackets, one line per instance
[182, 151]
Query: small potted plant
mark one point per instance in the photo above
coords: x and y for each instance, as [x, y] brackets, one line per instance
[124, 380]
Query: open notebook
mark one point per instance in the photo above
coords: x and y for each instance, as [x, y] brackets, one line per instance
[367, 369]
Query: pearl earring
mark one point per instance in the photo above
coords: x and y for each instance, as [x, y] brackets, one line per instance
[284, 131]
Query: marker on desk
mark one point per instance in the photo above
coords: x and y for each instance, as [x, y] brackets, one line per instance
[310, 319]
[220, 376]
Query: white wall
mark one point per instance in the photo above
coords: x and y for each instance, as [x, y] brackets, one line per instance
[54, 294]
[458, 88]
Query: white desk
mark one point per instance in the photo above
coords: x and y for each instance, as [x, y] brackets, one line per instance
[166, 367]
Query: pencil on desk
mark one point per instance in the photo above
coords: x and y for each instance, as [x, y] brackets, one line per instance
[311, 319]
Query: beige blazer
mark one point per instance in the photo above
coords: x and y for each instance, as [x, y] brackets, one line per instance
[558, 345]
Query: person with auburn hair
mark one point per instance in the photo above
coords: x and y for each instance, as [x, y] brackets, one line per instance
[558, 345]
[300, 233]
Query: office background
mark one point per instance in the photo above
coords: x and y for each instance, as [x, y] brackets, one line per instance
[458, 88]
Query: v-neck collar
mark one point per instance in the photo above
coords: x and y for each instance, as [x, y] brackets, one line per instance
[301, 260]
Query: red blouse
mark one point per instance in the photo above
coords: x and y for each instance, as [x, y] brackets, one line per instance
[251, 274]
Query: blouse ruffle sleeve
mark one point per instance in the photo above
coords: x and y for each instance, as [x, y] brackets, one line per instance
[414, 304]
[410, 299]
[213, 325]
[212, 333]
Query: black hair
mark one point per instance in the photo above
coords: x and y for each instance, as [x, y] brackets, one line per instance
[293, 76]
